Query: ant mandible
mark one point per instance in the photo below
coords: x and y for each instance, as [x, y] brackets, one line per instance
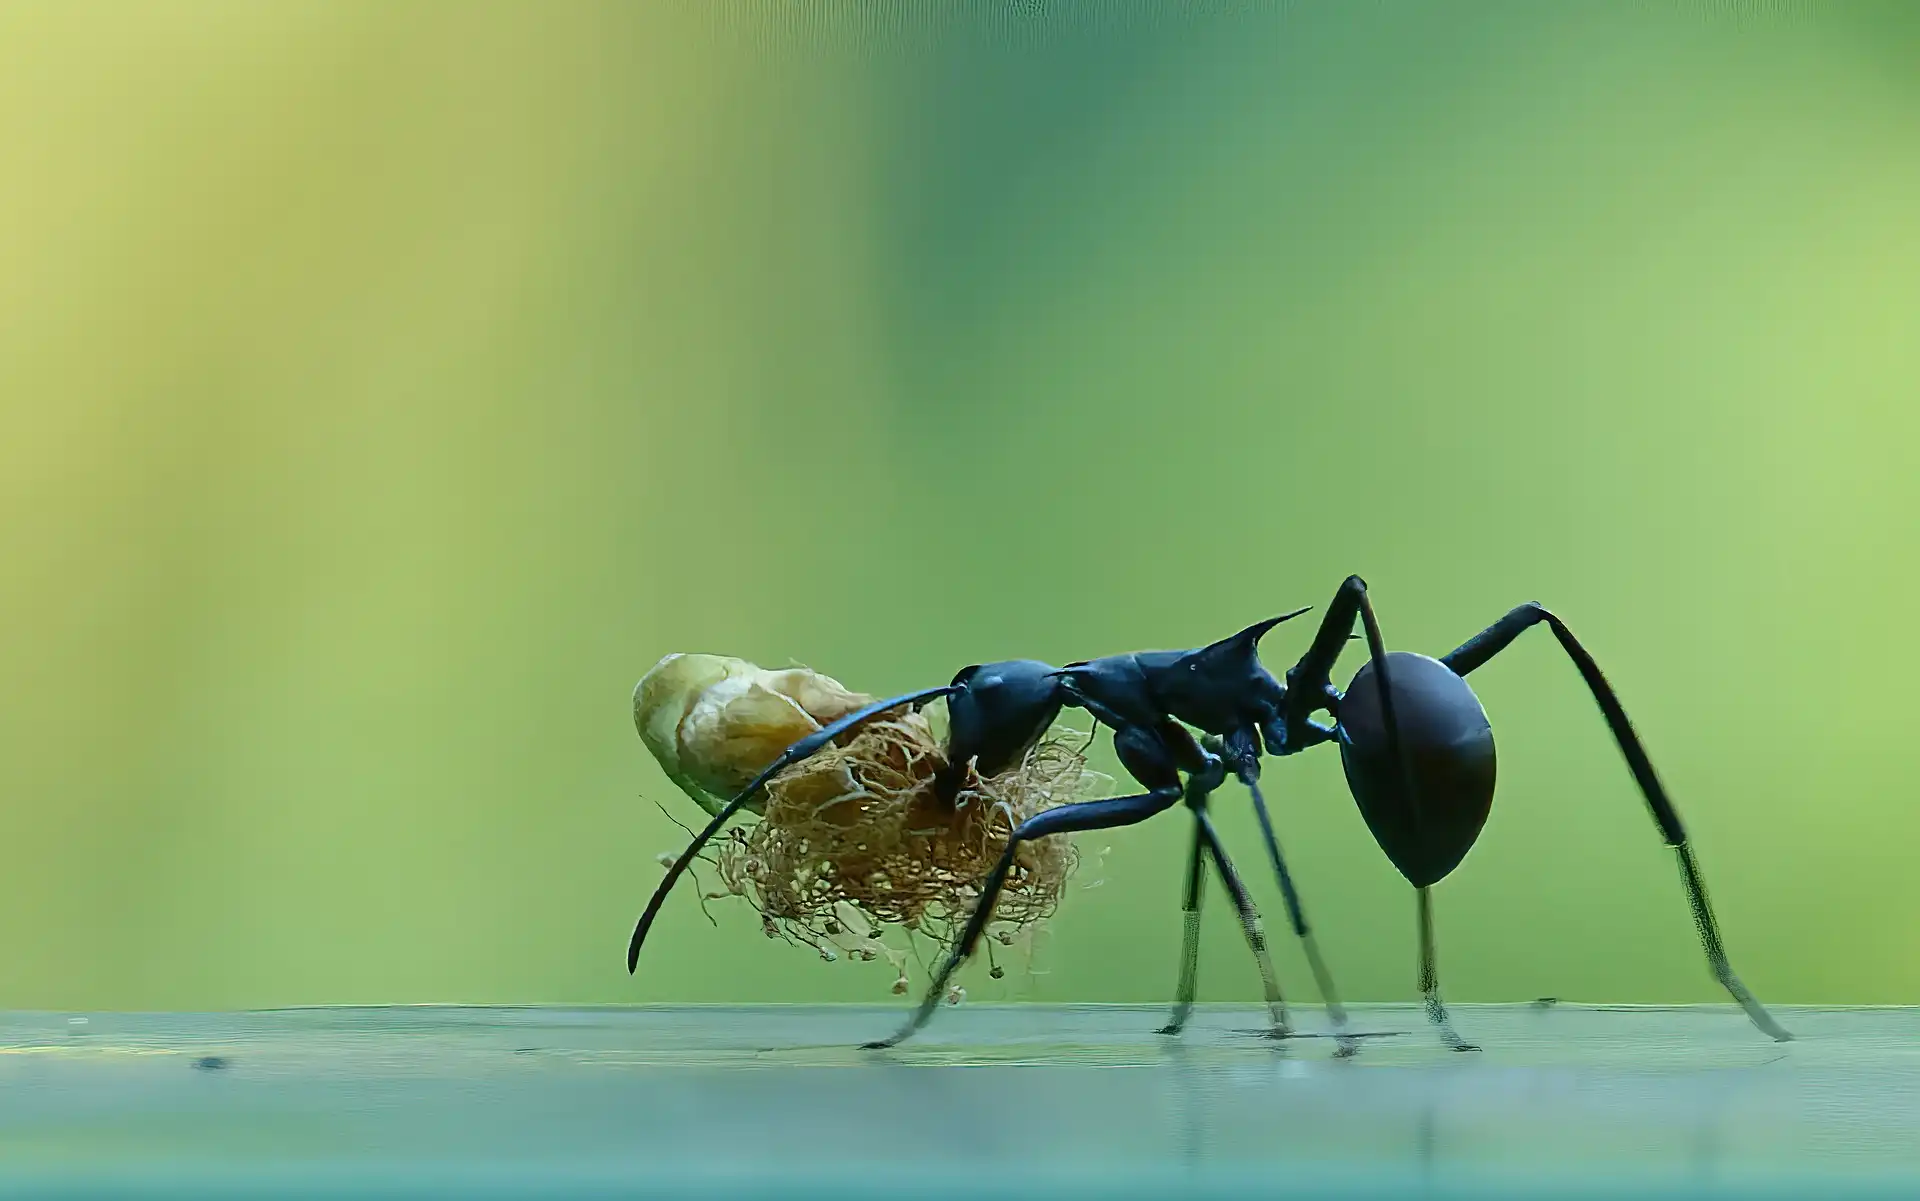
[1415, 745]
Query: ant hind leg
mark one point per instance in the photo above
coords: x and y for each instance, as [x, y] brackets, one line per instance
[1476, 651]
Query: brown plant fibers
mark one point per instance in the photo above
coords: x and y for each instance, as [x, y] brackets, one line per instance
[853, 840]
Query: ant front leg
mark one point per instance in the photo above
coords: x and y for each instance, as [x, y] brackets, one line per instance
[1146, 755]
[1476, 651]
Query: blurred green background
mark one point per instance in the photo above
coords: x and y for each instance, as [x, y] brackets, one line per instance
[387, 386]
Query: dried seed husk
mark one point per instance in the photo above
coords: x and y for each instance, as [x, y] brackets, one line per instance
[714, 722]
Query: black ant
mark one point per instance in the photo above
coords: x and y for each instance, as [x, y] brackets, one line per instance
[1414, 741]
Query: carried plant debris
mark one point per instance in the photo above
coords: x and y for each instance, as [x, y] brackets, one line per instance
[853, 841]
[714, 722]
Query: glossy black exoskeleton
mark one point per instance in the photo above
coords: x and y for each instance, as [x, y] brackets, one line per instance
[1414, 740]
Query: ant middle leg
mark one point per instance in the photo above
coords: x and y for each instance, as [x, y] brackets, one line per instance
[1206, 772]
[1249, 916]
[1207, 844]
[1241, 754]
[1189, 937]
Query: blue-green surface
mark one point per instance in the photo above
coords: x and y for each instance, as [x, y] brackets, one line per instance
[1014, 1101]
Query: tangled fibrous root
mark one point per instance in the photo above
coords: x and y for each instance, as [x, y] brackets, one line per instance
[853, 840]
